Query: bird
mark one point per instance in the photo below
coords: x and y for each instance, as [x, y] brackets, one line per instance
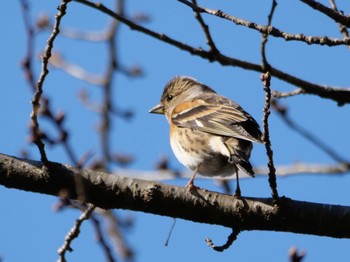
[209, 133]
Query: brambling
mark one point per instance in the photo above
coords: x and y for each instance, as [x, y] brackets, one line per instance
[209, 134]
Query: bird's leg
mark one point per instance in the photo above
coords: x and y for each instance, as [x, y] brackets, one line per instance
[238, 189]
[190, 185]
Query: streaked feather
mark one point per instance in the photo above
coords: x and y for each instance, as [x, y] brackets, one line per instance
[215, 114]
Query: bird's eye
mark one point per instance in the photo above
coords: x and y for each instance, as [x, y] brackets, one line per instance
[169, 97]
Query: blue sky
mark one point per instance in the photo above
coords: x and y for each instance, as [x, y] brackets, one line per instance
[31, 231]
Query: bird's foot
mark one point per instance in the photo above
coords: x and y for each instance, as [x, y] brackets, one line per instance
[190, 185]
[237, 193]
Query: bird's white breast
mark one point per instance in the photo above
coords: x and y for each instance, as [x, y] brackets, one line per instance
[189, 160]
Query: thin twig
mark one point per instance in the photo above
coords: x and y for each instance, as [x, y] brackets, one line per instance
[27, 61]
[206, 31]
[74, 70]
[265, 78]
[231, 238]
[107, 109]
[336, 16]
[307, 168]
[283, 113]
[340, 95]
[103, 243]
[85, 36]
[114, 232]
[46, 110]
[107, 91]
[44, 72]
[265, 64]
[343, 30]
[277, 94]
[74, 233]
[273, 31]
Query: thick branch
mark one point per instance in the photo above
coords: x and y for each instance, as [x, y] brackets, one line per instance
[111, 191]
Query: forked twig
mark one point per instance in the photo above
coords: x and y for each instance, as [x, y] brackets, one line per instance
[340, 95]
[206, 31]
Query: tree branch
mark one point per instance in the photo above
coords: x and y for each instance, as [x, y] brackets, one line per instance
[265, 78]
[340, 95]
[339, 18]
[37, 139]
[277, 94]
[271, 30]
[343, 30]
[283, 113]
[205, 27]
[74, 233]
[110, 191]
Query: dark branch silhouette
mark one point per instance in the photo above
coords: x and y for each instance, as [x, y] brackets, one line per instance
[340, 95]
[37, 135]
[337, 17]
[110, 191]
[273, 31]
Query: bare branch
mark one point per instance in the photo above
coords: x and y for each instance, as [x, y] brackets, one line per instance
[295, 92]
[75, 70]
[343, 30]
[231, 238]
[340, 95]
[206, 31]
[265, 78]
[115, 234]
[265, 64]
[27, 61]
[336, 16]
[74, 233]
[107, 104]
[45, 109]
[101, 239]
[320, 40]
[307, 168]
[90, 36]
[111, 191]
[283, 113]
[44, 72]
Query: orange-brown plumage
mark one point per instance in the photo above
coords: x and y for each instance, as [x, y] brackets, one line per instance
[209, 133]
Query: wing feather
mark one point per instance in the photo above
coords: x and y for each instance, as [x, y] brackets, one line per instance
[217, 115]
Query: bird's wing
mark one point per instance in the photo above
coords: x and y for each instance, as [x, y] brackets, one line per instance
[217, 115]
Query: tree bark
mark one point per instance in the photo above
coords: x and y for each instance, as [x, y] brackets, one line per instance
[111, 191]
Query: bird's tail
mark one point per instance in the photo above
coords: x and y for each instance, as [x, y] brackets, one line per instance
[242, 164]
[246, 167]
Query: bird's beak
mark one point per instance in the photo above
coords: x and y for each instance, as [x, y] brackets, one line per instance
[158, 109]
